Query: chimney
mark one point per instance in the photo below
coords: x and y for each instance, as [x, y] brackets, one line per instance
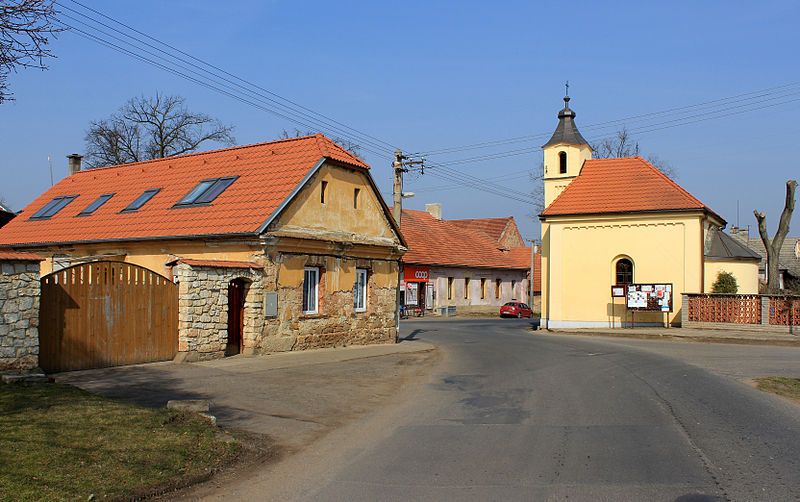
[74, 163]
[741, 233]
[434, 210]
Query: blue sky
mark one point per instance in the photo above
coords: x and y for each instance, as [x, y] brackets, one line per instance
[433, 75]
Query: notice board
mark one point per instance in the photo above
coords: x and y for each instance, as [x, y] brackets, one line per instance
[655, 297]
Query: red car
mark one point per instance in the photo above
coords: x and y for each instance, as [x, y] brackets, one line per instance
[515, 309]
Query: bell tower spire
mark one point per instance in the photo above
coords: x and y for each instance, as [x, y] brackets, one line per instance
[564, 153]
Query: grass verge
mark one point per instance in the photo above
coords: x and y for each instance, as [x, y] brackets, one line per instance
[61, 443]
[783, 386]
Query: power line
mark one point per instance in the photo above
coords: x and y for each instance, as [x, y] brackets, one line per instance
[310, 119]
[188, 72]
[752, 98]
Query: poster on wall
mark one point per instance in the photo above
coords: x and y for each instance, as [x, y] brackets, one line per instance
[650, 297]
[411, 293]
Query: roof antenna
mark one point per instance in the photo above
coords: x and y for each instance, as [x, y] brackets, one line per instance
[50, 162]
[737, 213]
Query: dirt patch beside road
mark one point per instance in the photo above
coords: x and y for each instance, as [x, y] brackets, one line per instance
[294, 404]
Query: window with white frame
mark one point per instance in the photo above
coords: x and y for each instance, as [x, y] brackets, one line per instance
[360, 290]
[311, 290]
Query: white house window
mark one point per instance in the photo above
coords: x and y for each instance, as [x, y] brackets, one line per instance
[360, 291]
[311, 290]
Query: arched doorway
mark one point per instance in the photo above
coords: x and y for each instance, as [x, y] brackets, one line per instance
[237, 289]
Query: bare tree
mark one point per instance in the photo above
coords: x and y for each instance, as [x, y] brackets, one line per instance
[345, 143]
[773, 246]
[26, 27]
[151, 128]
[622, 144]
[537, 194]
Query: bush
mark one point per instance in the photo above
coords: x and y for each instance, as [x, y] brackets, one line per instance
[725, 283]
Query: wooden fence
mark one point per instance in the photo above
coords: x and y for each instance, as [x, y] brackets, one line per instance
[106, 314]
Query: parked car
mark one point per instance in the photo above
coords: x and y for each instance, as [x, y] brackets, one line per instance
[515, 309]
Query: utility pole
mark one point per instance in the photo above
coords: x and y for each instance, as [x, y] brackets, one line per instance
[402, 164]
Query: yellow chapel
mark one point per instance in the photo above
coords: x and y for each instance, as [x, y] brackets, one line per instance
[610, 225]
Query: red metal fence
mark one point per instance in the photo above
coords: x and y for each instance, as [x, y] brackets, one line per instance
[784, 310]
[744, 309]
[735, 309]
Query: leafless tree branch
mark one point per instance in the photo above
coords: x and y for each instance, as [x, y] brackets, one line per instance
[622, 144]
[150, 128]
[773, 247]
[26, 27]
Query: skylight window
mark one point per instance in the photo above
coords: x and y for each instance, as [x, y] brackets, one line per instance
[94, 206]
[206, 191]
[141, 200]
[52, 207]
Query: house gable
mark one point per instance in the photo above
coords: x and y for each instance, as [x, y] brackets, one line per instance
[343, 216]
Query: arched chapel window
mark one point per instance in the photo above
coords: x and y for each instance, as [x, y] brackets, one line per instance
[562, 162]
[624, 271]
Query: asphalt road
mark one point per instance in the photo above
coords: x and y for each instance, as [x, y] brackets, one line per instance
[512, 415]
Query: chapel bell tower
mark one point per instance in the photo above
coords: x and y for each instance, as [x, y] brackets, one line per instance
[564, 154]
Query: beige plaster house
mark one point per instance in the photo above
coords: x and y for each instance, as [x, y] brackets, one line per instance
[277, 246]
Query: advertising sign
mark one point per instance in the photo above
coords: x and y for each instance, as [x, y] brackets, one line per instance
[412, 290]
[416, 274]
[651, 297]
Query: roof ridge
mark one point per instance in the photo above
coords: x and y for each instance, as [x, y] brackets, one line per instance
[324, 141]
[484, 219]
[197, 154]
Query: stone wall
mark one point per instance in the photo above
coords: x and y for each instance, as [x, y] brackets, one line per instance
[203, 309]
[337, 324]
[20, 291]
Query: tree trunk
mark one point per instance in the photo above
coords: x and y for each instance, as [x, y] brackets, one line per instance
[773, 247]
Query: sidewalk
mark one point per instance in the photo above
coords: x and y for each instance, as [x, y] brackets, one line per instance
[689, 335]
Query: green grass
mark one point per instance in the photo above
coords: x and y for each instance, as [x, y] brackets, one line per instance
[60, 443]
[783, 386]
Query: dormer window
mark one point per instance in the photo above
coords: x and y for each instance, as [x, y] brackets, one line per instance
[94, 206]
[52, 207]
[141, 200]
[562, 162]
[206, 191]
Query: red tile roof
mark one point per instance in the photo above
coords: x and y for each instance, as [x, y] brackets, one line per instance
[443, 243]
[268, 173]
[19, 256]
[622, 185]
[493, 227]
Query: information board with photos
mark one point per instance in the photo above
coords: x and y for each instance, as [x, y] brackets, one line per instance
[649, 297]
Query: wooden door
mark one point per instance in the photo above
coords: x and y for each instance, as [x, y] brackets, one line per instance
[236, 290]
[105, 313]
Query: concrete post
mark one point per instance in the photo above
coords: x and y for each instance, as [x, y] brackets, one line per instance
[684, 309]
[764, 310]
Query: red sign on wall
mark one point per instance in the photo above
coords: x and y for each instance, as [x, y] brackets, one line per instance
[416, 274]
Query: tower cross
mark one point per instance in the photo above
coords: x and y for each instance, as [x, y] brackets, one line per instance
[567, 86]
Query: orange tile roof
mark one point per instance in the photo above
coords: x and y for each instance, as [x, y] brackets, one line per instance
[622, 185]
[268, 173]
[19, 256]
[440, 242]
[493, 227]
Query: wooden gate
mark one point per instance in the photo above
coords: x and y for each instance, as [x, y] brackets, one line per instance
[105, 313]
